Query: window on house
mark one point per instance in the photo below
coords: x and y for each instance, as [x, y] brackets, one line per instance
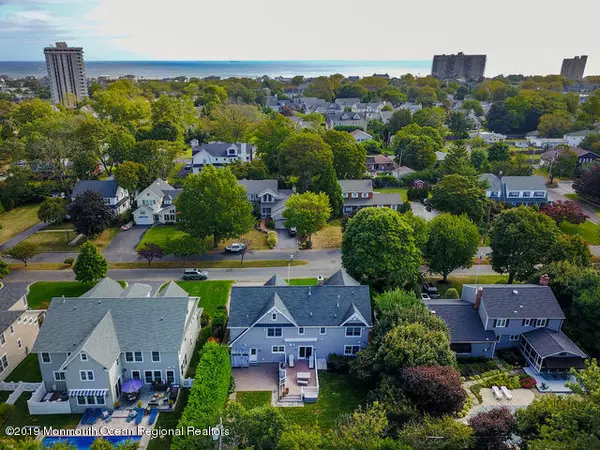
[81, 400]
[2, 339]
[3, 363]
[274, 316]
[273, 332]
[344, 195]
[135, 374]
[170, 374]
[515, 337]
[353, 331]
[526, 194]
[461, 347]
[59, 376]
[322, 330]
[539, 194]
[86, 375]
[100, 400]
[526, 322]
[365, 195]
[513, 194]
[83, 356]
[46, 358]
[19, 344]
[355, 195]
[12, 330]
[155, 356]
[301, 330]
[91, 400]
[278, 349]
[351, 350]
[498, 337]
[501, 323]
[541, 323]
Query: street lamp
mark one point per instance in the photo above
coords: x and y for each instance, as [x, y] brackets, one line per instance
[290, 267]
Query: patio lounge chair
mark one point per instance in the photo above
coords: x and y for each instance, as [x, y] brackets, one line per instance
[86, 416]
[506, 392]
[153, 415]
[93, 416]
[140, 416]
[131, 415]
[497, 392]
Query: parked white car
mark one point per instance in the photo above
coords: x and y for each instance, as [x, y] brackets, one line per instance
[236, 247]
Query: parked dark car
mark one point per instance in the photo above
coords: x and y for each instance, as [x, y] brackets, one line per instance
[292, 231]
[195, 274]
[430, 289]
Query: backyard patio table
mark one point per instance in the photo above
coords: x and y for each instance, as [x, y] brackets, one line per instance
[303, 376]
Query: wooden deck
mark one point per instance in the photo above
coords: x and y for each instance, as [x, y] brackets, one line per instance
[301, 365]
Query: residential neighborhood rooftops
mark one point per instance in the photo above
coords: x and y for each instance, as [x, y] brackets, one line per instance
[550, 154]
[106, 188]
[341, 278]
[548, 342]
[172, 289]
[462, 320]
[494, 182]
[258, 186]
[356, 185]
[531, 183]
[218, 149]
[276, 280]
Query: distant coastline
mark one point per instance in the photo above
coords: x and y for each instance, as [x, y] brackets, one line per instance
[226, 69]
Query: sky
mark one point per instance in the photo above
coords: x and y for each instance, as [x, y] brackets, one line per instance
[519, 36]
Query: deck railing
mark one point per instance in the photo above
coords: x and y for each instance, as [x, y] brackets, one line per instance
[311, 393]
[37, 406]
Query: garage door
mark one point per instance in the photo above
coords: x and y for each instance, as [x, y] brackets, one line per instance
[279, 224]
[144, 220]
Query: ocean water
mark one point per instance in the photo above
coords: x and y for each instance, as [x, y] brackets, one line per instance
[225, 69]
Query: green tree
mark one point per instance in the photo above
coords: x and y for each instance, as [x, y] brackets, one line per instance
[130, 175]
[459, 124]
[349, 158]
[327, 183]
[454, 435]
[457, 161]
[459, 194]
[400, 119]
[4, 270]
[23, 252]
[213, 204]
[150, 251]
[479, 158]
[122, 106]
[89, 213]
[157, 158]
[379, 247]
[269, 137]
[453, 241]
[308, 212]
[52, 210]
[520, 239]
[304, 155]
[90, 266]
[31, 110]
[430, 117]
[474, 105]
[233, 122]
[177, 112]
[572, 248]
[320, 87]
[296, 437]
[565, 163]
[556, 124]
[500, 151]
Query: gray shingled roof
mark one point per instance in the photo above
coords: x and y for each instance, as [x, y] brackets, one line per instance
[105, 288]
[276, 280]
[532, 183]
[10, 294]
[106, 188]
[257, 186]
[549, 342]
[462, 320]
[172, 290]
[516, 301]
[341, 278]
[356, 185]
[137, 290]
[309, 305]
[160, 187]
[492, 180]
[219, 149]
[7, 318]
[141, 324]
[386, 199]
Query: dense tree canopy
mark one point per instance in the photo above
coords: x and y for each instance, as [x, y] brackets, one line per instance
[349, 157]
[459, 194]
[304, 155]
[308, 212]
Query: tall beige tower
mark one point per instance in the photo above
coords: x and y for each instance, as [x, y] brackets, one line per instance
[66, 71]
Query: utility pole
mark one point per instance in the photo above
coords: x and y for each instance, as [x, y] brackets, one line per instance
[290, 267]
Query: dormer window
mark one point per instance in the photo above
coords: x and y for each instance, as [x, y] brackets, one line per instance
[231, 151]
[274, 316]
[355, 195]
[527, 194]
[83, 356]
[539, 194]
[539, 323]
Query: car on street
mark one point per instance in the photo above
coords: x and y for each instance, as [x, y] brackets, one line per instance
[425, 297]
[430, 289]
[188, 166]
[127, 226]
[195, 274]
[236, 247]
[292, 231]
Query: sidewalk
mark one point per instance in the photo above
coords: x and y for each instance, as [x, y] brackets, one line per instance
[22, 236]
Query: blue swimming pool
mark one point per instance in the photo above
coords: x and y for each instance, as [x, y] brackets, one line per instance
[84, 442]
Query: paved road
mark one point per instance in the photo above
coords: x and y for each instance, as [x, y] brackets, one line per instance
[566, 187]
[420, 210]
[22, 236]
[122, 247]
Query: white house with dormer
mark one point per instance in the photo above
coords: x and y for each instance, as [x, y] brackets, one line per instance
[219, 154]
[155, 204]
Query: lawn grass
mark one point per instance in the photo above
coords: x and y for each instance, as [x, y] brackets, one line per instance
[253, 399]
[211, 293]
[395, 190]
[41, 292]
[329, 237]
[27, 370]
[19, 417]
[257, 239]
[338, 394]
[303, 282]
[587, 230]
[458, 282]
[56, 240]
[17, 220]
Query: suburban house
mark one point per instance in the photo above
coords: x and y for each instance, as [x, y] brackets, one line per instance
[488, 137]
[350, 119]
[89, 346]
[114, 195]
[268, 198]
[155, 204]
[219, 154]
[361, 136]
[499, 316]
[583, 156]
[298, 327]
[574, 139]
[358, 194]
[541, 142]
[515, 191]
[379, 164]
[19, 328]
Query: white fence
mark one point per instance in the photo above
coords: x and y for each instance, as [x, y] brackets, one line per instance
[37, 406]
[188, 382]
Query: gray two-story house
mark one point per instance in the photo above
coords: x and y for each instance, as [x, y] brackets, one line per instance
[268, 198]
[114, 196]
[89, 346]
[515, 191]
[279, 323]
[499, 316]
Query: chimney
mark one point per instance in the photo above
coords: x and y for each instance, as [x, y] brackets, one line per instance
[294, 188]
[544, 280]
[500, 174]
[320, 280]
[478, 298]
[309, 291]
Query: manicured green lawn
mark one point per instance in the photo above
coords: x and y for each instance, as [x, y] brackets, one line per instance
[397, 190]
[58, 240]
[161, 234]
[587, 230]
[211, 293]
[17, 220]
[253, 399]
[458, 282]
[338, 394]
[27, 370]
[41, 292]
[303, 282]
[19, 417]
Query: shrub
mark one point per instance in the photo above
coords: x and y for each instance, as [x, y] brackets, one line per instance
[384, 181]
[417, 193]
[272, 239]
[493, 427]
[338, 363]
[207, 396]
[270, 223]
[69, 261]
[451, 293]
[205, 319]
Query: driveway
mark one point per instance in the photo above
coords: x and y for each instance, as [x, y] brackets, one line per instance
[566, 187]
[22, 236]
[122, 247]
[285, 241]
[419, 210]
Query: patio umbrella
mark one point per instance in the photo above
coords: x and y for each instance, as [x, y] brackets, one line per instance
[132, 385]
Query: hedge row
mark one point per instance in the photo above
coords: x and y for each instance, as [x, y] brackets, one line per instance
[207, 396]
[272, 239]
